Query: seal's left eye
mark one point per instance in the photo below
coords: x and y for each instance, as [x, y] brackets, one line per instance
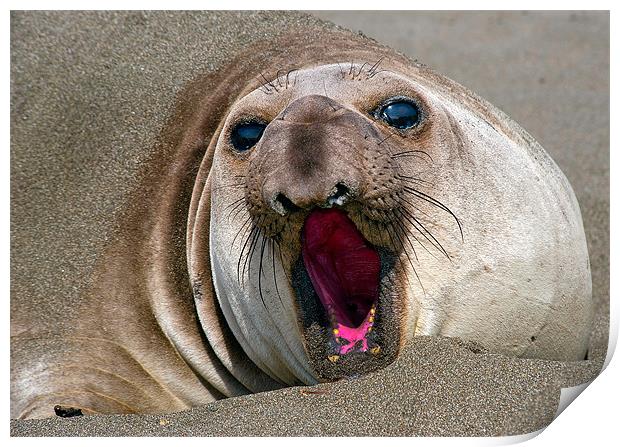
[245, 135]
[400, 114]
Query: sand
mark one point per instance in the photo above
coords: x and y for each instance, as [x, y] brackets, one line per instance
[438, 387]
[549, 71]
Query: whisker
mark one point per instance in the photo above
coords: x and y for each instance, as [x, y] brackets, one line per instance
[252, 238]
[282, 260]
[341, 71]
[260, 270]
[231, 185]
[374, 67]
[400, 260]
[244, 225]
[435, 202]
[278, 77]
[361, 68]
[376, 73]
[407, 234]
[234, 202]
[240, 208]
[412, 154]
[385, 139]
[248, 260]
[273, 267]
[421, 211]
[269, 83]
[409, 258]
[241, 254]
[398, 236]
[402, 247]
[327, 96]
[425, 230]
[410, 179]
[264, 87]
[405, 214]
[288, 74]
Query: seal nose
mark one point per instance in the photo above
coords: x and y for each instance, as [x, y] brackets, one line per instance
[338, 195]
[311, 157]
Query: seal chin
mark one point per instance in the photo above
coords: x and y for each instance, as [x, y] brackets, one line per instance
[345, 298]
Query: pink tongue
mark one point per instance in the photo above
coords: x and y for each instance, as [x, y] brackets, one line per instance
[344, 270]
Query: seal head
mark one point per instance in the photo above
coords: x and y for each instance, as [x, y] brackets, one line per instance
[349, 204]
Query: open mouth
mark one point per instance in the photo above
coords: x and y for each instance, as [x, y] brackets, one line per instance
[345, 271]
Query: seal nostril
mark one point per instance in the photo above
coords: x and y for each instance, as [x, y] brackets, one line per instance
[283, 205]
[339, 196]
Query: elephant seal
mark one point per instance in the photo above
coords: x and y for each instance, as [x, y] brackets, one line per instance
[310, 208]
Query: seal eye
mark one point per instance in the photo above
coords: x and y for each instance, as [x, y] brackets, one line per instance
[245, 135]
[400, 114]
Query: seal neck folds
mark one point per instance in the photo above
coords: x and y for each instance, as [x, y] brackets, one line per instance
[345, 273]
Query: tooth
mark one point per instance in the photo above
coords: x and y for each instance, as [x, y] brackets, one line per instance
[333, 358]
[336, 331]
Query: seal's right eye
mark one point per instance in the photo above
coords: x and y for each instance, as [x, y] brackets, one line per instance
[246, 134]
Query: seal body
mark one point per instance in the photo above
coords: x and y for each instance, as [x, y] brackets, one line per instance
[303, 223]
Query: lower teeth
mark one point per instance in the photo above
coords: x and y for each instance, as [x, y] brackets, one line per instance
[353, 339]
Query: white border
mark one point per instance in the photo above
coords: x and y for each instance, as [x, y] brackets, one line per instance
[316, 5]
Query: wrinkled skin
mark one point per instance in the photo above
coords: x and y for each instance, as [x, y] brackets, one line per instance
[506, 265]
